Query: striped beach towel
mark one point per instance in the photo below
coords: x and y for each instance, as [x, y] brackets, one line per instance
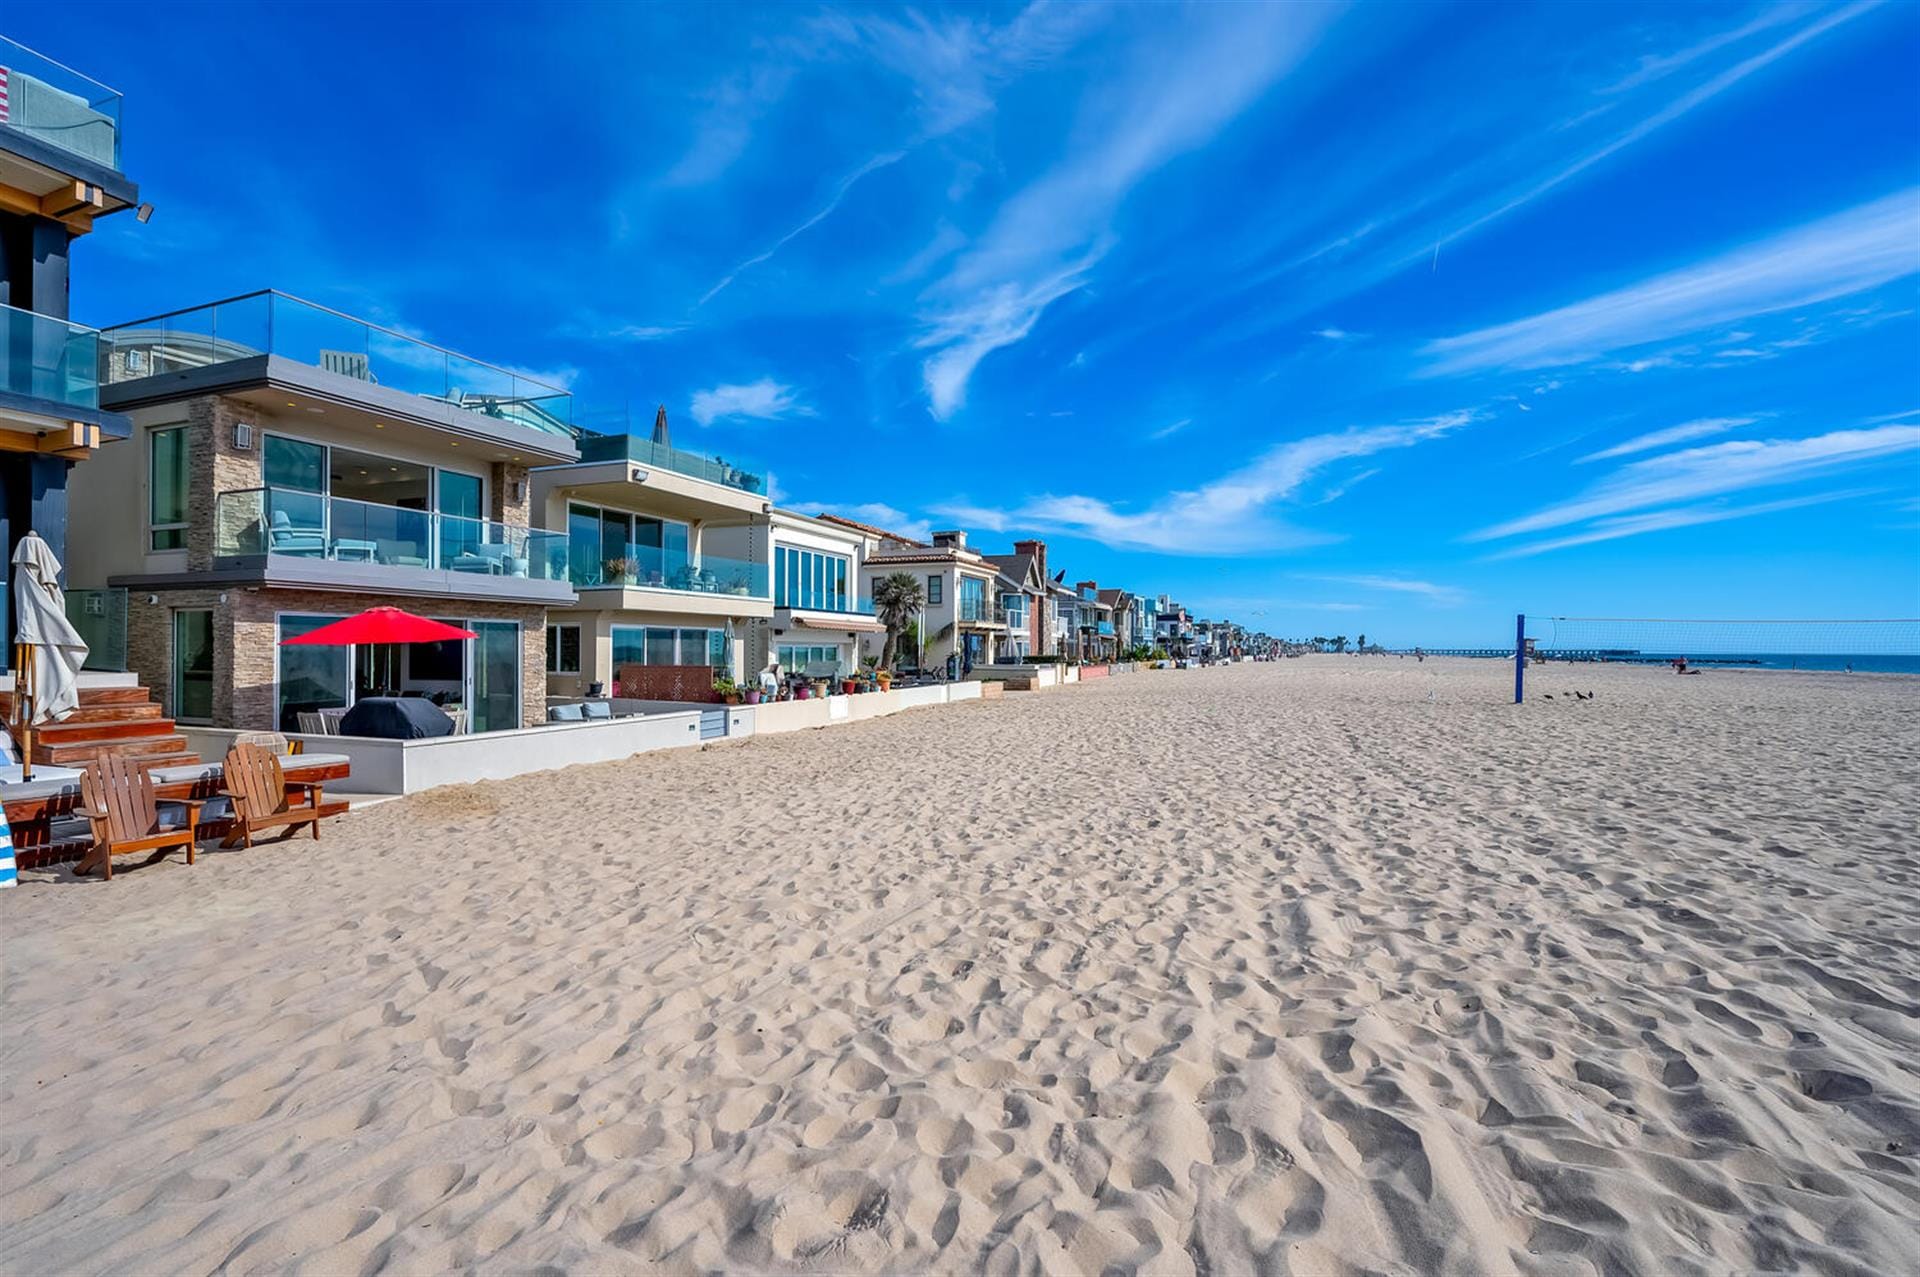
[8, 874]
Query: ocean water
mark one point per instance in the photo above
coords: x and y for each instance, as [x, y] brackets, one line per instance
[1860, 664]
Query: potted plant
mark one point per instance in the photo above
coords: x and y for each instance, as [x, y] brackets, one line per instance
[801, 691]
[618, 571]
[728, 690]
[753, 696]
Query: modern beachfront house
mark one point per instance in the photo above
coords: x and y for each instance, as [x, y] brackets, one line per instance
[290, 465]
[822, 617]
[668, 551]
[59, 173]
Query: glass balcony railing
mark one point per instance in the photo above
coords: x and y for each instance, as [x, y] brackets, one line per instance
[601, 440]
[58, 105]
[309, 525]
[48, 358]
[975, 607]
[656, 568]
[274, 323]
[807, 603]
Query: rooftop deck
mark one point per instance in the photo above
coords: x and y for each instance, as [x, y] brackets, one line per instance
[273, 323]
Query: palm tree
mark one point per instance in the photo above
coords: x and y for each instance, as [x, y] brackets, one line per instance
[896, 598]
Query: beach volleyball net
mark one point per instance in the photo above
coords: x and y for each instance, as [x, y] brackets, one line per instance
[1851, 646]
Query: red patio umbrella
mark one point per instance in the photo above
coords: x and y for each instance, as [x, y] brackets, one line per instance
[379, 625]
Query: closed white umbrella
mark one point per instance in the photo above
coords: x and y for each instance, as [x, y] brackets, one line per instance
[51, 651]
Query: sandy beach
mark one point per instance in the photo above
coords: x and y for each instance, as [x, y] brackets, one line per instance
[1328, 966]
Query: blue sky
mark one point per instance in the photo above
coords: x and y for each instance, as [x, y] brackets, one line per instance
[1384, 319]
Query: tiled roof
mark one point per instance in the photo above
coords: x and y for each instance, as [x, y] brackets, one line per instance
[867, 528]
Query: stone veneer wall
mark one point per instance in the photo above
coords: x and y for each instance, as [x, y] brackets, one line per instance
[244, 640]
[214, 467]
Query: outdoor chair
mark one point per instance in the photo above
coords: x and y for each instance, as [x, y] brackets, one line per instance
[119, 803]
[263, 797]
[284, 538]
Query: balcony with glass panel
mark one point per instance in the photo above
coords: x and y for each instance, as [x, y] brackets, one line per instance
[652, 567]
[604, 437]
[298, 537]
[56, 105]
[48, 359]
[273, 338]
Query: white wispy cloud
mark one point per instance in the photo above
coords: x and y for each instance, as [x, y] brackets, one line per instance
[1845, 253]
[1700, 429]
[1676, 479]
[1041, 243]
[872, 164]
[1620, 526]
[1231, 515]
[1333, 334]
[1171, 429]
[1675, 109]
[762, 400]
[1445, 595]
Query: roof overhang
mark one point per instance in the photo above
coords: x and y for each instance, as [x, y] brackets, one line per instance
[276, 382]
[632, 485]
[42, 180]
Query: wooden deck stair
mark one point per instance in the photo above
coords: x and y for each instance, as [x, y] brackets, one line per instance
[109, 720]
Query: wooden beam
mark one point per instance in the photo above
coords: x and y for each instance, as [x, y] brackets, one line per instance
[79, 437]
[77, 197]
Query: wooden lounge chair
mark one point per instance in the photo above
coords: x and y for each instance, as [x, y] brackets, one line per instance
[118, 800]
[258, 788]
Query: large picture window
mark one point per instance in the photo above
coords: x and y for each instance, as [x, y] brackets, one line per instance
[662, 645]
[614, 547]
[810, 579]
[800, 658]
[167, 481]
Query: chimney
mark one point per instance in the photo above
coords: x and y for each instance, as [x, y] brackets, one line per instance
[1086, 587]
[950, 540]
[1038, 549]
[660, 427]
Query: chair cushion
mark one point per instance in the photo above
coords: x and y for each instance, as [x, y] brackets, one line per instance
[598, 709]
[566, 714]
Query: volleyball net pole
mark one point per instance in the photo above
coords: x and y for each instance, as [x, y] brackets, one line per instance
[1520, 659]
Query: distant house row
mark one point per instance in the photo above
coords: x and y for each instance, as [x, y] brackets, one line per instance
[243, 471]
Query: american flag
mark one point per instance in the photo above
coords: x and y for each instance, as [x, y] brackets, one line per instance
[3, 95]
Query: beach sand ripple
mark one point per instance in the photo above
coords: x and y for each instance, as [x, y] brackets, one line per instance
[1331, 966]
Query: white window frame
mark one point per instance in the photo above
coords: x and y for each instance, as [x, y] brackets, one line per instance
[554, 647]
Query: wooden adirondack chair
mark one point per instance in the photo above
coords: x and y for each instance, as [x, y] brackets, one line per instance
[119, 802]
[257, 786]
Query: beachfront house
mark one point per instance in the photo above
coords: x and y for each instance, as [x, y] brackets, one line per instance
[668, 551]
[959, 621]
[1094, 619]
[1025, 601]
[291, 465]
[822, 617]
[59, 173]
[1064, 604]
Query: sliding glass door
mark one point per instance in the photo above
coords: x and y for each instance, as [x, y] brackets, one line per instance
[494, 676]
[193, 665]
